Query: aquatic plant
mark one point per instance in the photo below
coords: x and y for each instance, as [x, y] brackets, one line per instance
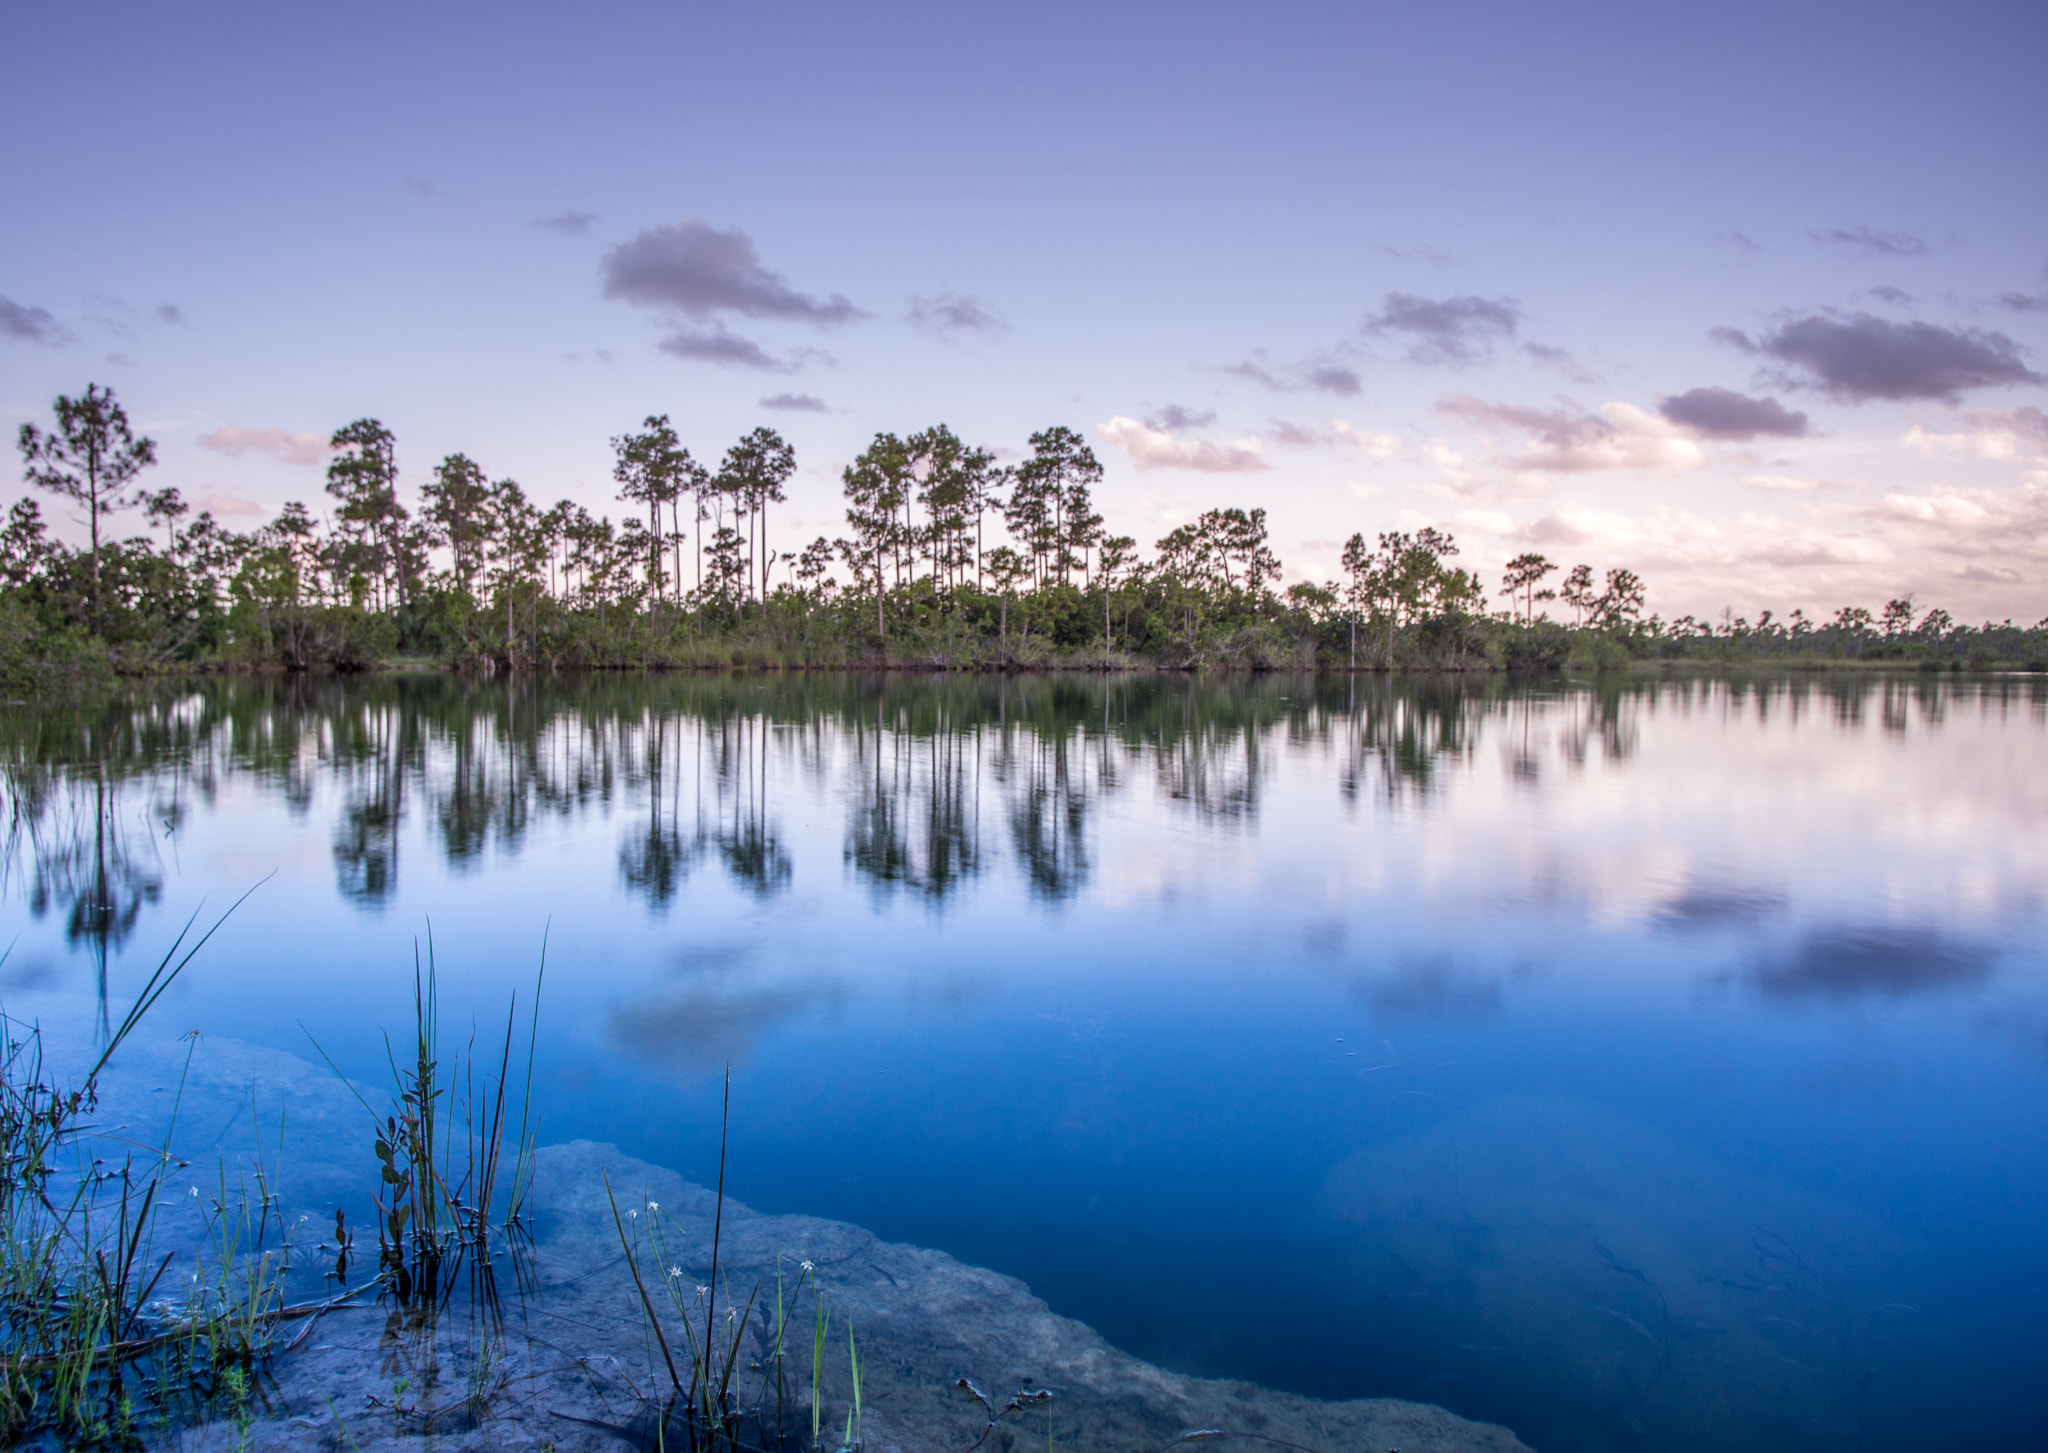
[853, 1414]
[89, 1350]
[429, 1214]
[702, 1406]
[823, 1328]
[706, 1405]
[1022, 1400]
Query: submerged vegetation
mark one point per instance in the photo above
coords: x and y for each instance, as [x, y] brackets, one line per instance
[139, 1293]
[111, 1341]
[949, 560]
[707, 1404]
[103, 1339]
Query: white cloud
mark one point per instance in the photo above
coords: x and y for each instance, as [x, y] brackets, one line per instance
[1339, 431]
[230, 504]
[1378, 446]
[1983, 524]
[1621, 436]
[1151, 448]
[299, 448]
[1987, 434]
[1976, 444]
[1784, 483]
[1635, 439]
[1812, 545]
[1453, 473]
[1681, 541]
[1166, 513]
[1483, 522]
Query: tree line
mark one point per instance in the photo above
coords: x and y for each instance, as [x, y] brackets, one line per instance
[949, 557]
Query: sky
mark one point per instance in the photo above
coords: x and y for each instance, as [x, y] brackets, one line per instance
[1751, 299]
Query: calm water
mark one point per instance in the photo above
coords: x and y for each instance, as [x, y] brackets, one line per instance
[1661, 1065]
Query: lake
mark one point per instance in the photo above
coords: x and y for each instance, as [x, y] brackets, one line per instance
[1634, 1063]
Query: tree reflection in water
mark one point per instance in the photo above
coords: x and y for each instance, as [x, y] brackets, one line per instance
[937, 777]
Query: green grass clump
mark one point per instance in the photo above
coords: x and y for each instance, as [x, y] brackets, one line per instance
[436, 1215]
[707, 1406]
[102, 1338]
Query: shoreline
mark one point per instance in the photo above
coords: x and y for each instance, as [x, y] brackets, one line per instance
[1648, 667]
[550, 1344]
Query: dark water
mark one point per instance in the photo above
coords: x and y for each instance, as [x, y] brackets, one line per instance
[1645, 1066]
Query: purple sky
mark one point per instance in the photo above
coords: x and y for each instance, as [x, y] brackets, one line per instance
[1750, 298]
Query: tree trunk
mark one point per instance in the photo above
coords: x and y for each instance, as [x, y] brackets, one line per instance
[92, 509]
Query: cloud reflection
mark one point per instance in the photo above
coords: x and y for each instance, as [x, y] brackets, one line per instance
[708, 1025]
[1843, 963]
[1706, 906]
[1433, 988]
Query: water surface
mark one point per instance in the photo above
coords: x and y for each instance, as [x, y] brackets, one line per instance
[1638, 1065]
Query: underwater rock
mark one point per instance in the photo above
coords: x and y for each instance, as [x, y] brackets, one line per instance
[1621, 1284]
[565, 1358]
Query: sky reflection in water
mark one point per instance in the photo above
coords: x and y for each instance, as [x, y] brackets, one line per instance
[1645, 1066]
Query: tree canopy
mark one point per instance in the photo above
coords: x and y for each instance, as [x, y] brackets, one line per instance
[946, 557]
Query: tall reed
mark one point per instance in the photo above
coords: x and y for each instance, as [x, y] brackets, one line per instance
[706, 1407]
[430, 1211]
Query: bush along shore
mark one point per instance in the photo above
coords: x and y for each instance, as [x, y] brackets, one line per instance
[949, 561]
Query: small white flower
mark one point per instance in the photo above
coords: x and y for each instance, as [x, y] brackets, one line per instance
[805, 1265]
[633, 1215]
[703, 1292]
[654, 1205]
[676, 1272]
